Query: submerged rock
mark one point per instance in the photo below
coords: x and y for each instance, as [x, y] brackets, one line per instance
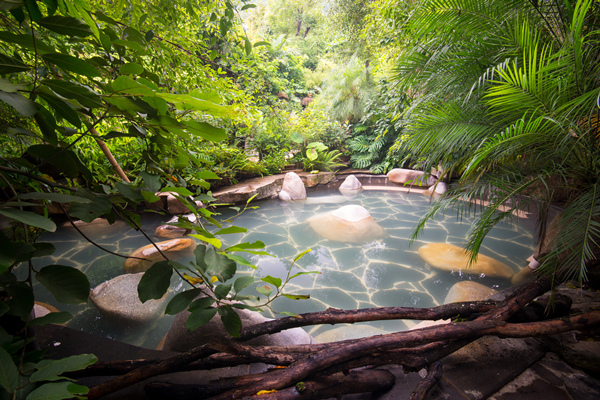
[350, 223]
[117, 299]
[293, 188]
[173, 232]
[179, 338]
[174, 249]
[468, 291]
[410, 177]
[448, 257]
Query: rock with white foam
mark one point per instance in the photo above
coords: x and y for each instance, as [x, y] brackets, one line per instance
[292, 188]
[351, 223]
[452, 258]
[146, 256]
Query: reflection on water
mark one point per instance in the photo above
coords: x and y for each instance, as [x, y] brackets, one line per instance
[379, 273]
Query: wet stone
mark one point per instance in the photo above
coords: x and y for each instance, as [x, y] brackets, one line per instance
[284, 250]
[335, 298]
[347, 258]
[384, 276]
[342, 280]
[402, 298]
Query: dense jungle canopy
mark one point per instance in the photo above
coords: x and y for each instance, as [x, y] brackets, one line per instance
[104, 103]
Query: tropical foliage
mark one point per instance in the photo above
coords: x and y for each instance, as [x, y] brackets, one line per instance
[506, 94]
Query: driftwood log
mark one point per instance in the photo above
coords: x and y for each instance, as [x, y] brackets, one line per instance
[314, 364]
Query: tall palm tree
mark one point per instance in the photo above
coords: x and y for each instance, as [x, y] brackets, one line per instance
[507, 94]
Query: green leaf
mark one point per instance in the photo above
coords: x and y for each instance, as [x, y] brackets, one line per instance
[231, 320]
[206, 131]
[65, 25]
[272, 280]
[100, 205]
[264, 289]
[47, 124]
[247, 6]
[57, 391]
[305, 273]
[200, 317]
[244, 246]
[71, 90]
[67, 284]
[247, 46]
[130, 191]
[262, 43]
[299, 256]
[149, 35]
[29, 218]
[297, 296]
[135, 35]
[231, 229]
[26, 42]
[221, 291]
[215, 242]
[181, 301]
[206, 175]
[194, 103]
[199, 254]
[203, 302]
[52, 318]
[9, 64]
[155, 282]
[124, 84]
[240, 260]
[242, 282]
[73, 64]
[21, 299]
[9, 376]
[219, 265]
[22, 104]
[7, 5]
[131, 69]
[177, 189]
[8, 254]
[152, 182]
[57, 197]
[8, 87]
[50, 370]
[33, 10]
[62, 108]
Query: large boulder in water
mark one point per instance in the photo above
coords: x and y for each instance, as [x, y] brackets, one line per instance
[292, 188]
[410, 177]
[468, 291]
[174, 249]
[349, 223]
[179, 338]
[448, 257]
[173, 232]
[117, 300]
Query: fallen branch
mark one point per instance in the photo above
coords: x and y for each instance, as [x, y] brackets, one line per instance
[318, 388]
[434, 374]
[336, 316]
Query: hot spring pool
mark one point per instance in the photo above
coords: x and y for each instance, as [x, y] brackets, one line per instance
[378, 273]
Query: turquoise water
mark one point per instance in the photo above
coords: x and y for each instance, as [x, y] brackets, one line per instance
[377, 273]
